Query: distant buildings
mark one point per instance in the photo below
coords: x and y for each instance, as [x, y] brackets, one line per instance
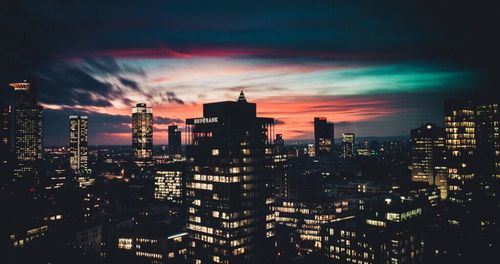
[323, 137]
[142, 133]
[363, 149]
[311, 150]
[347, 146]
[174, 139]
[28, 132]
[427, 156]
[228, 191]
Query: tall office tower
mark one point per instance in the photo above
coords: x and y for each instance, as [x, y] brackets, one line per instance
[4, 144]
[28, 132]
[228, 190]
[428, 156]
[142, 133]
[323, 137]
[169, 183]
[78, 142]
[347, 146]
[174, 139]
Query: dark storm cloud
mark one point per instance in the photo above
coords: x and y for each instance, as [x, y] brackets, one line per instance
[129, 83]
[172, 98]
[38, 37]
[65, 84]
[279, 122]
[167, 121]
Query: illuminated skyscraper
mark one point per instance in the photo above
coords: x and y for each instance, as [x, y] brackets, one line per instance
[142, 133]
[228, 190]
[347, 146]
[78, 142]
[428, 156]
[28, 132]
[174, 139]
[323, 137]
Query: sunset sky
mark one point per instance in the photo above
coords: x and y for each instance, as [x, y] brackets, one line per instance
[372, 70]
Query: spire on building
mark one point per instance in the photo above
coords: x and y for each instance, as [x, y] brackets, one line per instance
[242, 98]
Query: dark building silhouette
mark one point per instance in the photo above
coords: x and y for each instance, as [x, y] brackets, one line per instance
[427, 154]
[323, 137]
[28, 132]
[142, 133]
[174, 139]
[228, 189]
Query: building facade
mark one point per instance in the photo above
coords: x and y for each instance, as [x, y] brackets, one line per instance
[228, 192]
[169, 184]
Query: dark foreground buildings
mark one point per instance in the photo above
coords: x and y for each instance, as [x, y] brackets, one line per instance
[387, 233]
[228, 191]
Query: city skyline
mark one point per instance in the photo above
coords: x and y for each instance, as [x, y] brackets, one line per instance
[379, 76]
[245, 132]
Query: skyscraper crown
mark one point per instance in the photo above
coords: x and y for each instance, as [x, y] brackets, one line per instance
[242, 98]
